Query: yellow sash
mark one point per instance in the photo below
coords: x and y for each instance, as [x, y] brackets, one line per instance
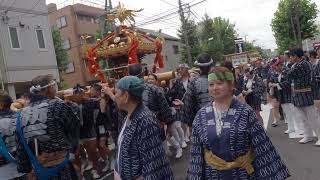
[217, 163]
[52, 159]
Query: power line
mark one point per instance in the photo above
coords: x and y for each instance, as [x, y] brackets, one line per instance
[195, 14]
[156, 19]
[32, 8]
[168, 15]
[169, 3]
[14, 1]
[167, 20]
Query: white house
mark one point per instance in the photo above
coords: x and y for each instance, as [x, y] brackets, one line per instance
[26, 45]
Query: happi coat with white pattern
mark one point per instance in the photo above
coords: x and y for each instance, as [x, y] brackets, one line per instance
[55, 126]
[7, 130]
[240, 133]
[141, 151]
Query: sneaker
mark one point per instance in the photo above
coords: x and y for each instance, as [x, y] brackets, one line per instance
[288, 131]
[305, 140]
[184, 145]
[187, 139]
[274, 124]
[317, 143]
[179, 153]
[95, 174]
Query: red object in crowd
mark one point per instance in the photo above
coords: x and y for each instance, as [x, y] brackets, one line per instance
[132, 52]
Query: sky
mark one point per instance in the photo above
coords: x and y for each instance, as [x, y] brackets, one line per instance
[252, 18]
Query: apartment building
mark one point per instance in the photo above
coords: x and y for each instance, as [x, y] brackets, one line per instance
[74, 21]
[26, 46]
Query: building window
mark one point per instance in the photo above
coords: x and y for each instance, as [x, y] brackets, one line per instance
[86, 18]
[14, 38]
[70, 68]
[61, 22]
[175, 49]
[41, 40]
[66, 44]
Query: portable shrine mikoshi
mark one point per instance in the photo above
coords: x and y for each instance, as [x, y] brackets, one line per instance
[122, 47]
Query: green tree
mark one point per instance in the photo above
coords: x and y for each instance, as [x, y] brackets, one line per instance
[251, 47]
[192, 34]
[61, 54]
[293, 22]
[217, 37]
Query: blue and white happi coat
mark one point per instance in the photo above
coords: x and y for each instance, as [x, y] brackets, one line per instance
[141, 151]
[240, 133]
[55, 126]
[7, 130]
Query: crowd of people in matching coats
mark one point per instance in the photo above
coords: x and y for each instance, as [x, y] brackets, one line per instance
[133, 125]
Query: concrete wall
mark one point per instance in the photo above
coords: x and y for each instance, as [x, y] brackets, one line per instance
[170, 58]
[21, 65]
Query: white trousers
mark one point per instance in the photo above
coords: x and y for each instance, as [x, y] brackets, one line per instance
[316, 123]
[288, 110]
[298, 119]
[177, 132]
[311, 120]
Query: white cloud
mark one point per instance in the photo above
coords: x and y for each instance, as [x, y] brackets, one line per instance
[251, 17]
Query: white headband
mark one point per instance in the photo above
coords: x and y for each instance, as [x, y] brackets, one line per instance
[203, 64]
[34, 89]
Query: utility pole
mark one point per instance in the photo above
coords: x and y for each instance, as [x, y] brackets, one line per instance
[185, 32]
[106, 26]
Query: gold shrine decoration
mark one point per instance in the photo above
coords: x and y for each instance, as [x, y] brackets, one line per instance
[125, 41]
[123, 14]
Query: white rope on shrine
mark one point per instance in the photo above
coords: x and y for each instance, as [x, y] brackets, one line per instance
[121, 67]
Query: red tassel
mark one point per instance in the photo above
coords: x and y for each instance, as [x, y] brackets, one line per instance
[93, 65]
[132, 52]
[159, 58]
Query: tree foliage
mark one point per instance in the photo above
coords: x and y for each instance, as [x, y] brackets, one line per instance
[192, 34]
[61, 54]
[213, 36]
[251, 47]
[217, 37]
[284, 24]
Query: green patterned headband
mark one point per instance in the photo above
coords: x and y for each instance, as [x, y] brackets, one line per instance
[227, 76]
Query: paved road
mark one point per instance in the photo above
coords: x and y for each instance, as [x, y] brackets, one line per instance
[301, 159]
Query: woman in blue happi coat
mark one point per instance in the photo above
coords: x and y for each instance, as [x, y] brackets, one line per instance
[140, 151]
[228, 142]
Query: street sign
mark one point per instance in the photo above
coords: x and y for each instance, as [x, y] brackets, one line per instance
[239, 45]
[238, 58]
